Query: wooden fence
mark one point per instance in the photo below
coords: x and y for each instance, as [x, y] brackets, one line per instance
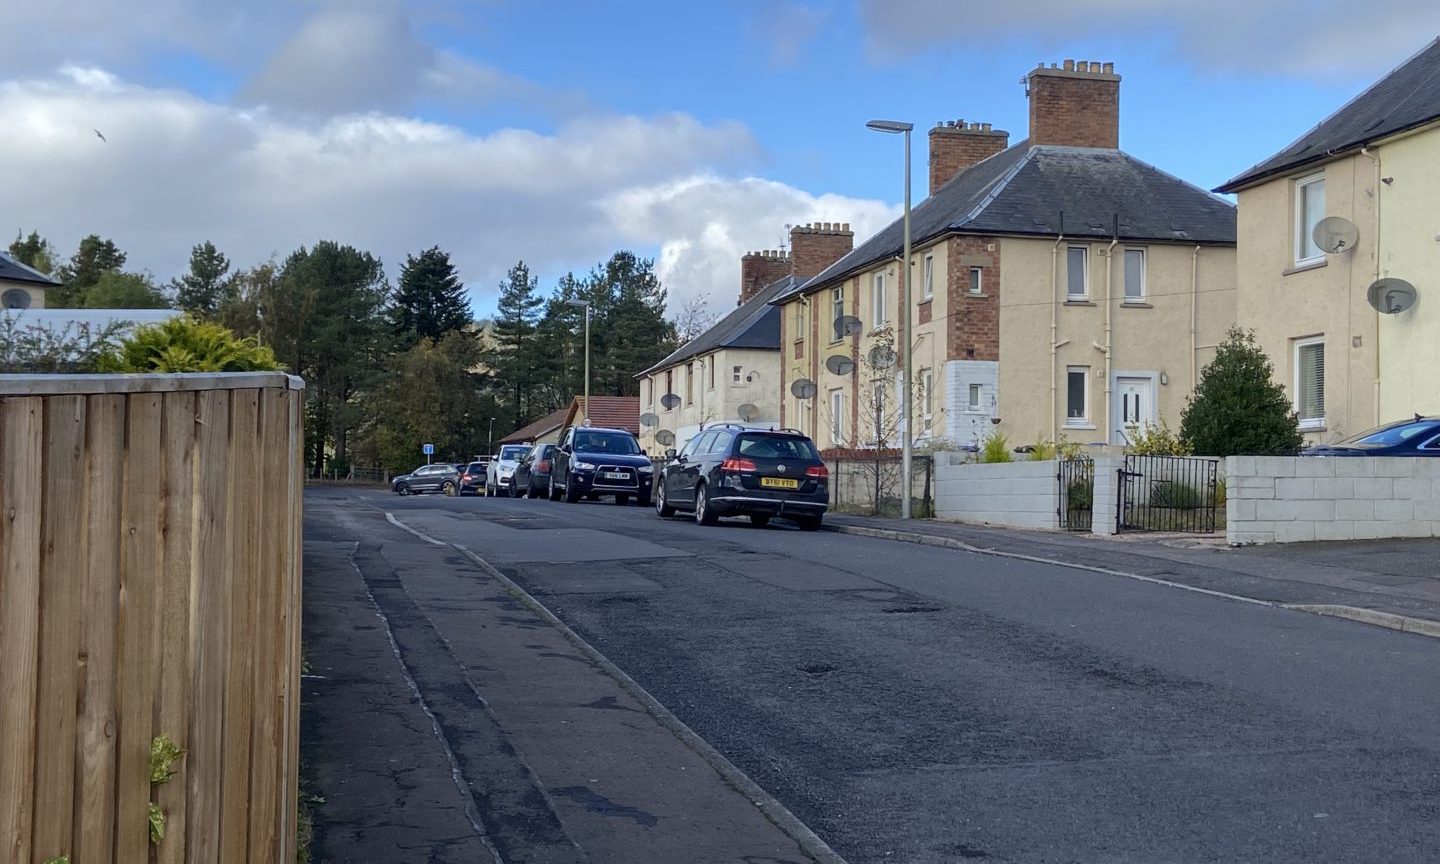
[149, 585]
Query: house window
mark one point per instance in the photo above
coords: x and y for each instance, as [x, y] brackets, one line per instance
[1077, 396]
[650, 392]
[972, 402]
[710, 366]
[879, 400]
[734, 374]
[1134, 275]
[837, 417]
[927, 393]
[689, 383]
[929, 276]
[669, 386]
[877, 298]
[837, 309]
[1310, 382]
[800, 319]
[1309, 210]
[977, 280]
[1077, 270]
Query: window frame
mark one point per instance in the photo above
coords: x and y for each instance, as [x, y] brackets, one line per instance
[1144, 274]
[928, 277]
[669, 388]
[927, 394]
[1084, 421]
[736, 375]
[690, 383]
[977, 280]
[1084, 294]
[710, 365]
[977, 404]
[837, 306]
[1303, 237]
[879, 302]
[837, 416]
[1297, 347]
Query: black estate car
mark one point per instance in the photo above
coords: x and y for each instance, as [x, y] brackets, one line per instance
[733, 470]
[591, 461]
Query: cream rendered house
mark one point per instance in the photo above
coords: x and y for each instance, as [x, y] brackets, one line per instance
[1375, 164]
[22, 287]
[1061, 288]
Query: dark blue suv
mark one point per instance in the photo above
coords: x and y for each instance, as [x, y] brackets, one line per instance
[594, 461]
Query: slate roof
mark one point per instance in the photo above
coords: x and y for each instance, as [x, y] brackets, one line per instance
[13, 271]
[1407, 98]
[752, 324]
[549, 423]
[1046, 190]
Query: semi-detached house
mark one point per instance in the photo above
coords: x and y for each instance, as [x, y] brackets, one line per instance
[1062, 287]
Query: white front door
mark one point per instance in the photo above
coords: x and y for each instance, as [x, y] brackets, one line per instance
[1134, 406]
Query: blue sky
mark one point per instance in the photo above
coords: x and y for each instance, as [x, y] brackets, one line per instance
[559, 131]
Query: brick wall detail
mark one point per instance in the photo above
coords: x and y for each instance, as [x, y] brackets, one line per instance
[1076, 105]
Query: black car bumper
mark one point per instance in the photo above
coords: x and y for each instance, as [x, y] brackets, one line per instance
[737, 505]
[588, 482]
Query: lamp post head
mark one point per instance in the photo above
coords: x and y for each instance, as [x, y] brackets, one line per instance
[579, 304]
[891, 126]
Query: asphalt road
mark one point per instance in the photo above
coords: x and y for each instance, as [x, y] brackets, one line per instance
[915, 704]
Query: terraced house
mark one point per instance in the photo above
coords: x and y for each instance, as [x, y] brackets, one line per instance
[1061, 287]
[1371, 172]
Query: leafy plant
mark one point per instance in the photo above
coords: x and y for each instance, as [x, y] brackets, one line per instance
[1079, 494]
[1176, 495]
[1042, 450]
[188, 345]
[60, 859]
[157, 824]
[45, 349]
[1153, 440]
[995, 448]
[164, 753]
[1237, 408]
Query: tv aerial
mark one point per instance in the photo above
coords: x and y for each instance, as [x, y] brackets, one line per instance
[882, 357]
[670, 400]
[749, 412]
[847, 325]
[1335, 235]
[839, 364]
[803, 388]
[649, 419]
[1391, 296]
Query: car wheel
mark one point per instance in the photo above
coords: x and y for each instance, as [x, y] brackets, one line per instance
[622, 500]
[554, 493]
[808, 523]
[663, 510]
[571, 493]
[759, 520]
[703, 514]
[448, 488]
[402, 489]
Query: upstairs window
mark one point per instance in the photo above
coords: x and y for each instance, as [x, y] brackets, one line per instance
[1134, 275]
[878, 304]
[837, 309]
[929, 280]
[734, 374]
[1077, 273]
[1309, 210]
[977, 280]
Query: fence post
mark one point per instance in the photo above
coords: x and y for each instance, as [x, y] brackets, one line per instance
[1105, 501]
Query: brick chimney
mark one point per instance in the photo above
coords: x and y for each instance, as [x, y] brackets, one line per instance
[818, 245]
[758, 269]
[956, 145]
[1076, 105]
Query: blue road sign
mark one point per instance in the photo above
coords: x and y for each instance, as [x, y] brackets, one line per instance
[428, 449]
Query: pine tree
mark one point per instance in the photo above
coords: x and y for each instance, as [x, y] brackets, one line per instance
[630, 318]
[203, 289]
[430, 300]
[512, 358]
[1237, 408]
[94, 258]
[33, 251]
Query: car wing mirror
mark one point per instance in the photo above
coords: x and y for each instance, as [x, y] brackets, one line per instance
[670, 454]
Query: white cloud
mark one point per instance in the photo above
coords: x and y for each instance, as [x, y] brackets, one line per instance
[705, 223]
[789, 27]
[178, 170]
[1310, 38]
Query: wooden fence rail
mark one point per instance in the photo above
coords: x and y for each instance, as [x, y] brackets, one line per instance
[149, 585]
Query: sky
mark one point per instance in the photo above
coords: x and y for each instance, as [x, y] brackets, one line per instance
[557, 131]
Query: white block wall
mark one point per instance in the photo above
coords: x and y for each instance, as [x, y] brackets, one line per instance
[1015, 494]
[963, 426]
[1288, 499]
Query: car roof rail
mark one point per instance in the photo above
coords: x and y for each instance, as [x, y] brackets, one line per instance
[725, 424]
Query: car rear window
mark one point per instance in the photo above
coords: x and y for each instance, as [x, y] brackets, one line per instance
[760, 446]
[475, 467]
[513, 451]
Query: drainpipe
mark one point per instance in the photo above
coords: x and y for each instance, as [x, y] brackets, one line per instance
[1365, 151]
[1109, 275]
[1055, 325]
[1194, 314]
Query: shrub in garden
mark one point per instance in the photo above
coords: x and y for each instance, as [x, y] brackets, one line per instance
[188, 345]
[1237, 409]
[995, 448]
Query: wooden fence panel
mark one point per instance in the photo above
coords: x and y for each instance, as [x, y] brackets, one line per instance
[149, 585]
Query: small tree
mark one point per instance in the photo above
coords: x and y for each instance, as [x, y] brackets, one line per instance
[188, 345]
[1237, 409]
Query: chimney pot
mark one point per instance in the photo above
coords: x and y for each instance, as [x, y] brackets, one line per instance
[987, 126]
[844, 226]
[1069, 65]
[1109, 69]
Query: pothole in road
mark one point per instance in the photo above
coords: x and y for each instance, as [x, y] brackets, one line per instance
[816, 668]
[910, 610]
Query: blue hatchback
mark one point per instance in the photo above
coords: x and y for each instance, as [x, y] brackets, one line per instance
[1418, 437]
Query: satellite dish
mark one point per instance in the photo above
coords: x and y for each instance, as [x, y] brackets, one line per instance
[15, 298]
[882, 357]
[665, 437]
[847, 325]
[1390, 296]
[649, 419]
[803, 388]
[1335, 234]
[839, 364]
[670, 400]
[749, 412]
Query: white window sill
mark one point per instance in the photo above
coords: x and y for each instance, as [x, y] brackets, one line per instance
[1078, 301]
[1302, 266]
[1136, 304]
[1085, 426]
[1312, 425]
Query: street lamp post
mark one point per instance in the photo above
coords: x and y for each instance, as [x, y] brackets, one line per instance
[585, 411]
[907, 316]
[490, 439]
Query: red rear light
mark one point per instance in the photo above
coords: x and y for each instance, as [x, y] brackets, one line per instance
[543, 466]
[733, 464]
[819, 472]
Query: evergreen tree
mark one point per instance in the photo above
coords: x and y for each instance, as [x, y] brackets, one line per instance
[117, 290]
[94, 258]
[629, 315]
[203, 289]
[33, 251]
[430, 299]
[431, 397]
[1237, 409]
[513, 358]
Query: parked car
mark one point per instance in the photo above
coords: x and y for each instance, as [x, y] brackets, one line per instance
[532, 476]
[472, 478]
[592, 460]
[502, 466]
[732, 470]
[436, 477]
[1417, 437]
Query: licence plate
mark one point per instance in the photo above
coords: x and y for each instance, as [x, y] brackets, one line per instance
[615, 475]
[779, 483]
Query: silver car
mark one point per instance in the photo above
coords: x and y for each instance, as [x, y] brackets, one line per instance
[502, 468]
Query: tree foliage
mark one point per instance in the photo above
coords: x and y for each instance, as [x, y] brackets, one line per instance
[33, 251]
[430, 397]
[1237, 408]
[48, 349]
[202, 290]
[429, 299]
[513, 356]
[117, 290]
[94, 258]
[187, 345]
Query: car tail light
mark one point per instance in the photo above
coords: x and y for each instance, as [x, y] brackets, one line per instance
[819, 472]
[733, 464]
[542, 466]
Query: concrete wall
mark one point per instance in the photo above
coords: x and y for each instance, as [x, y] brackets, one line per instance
[1282, 499]
[1015, 494]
